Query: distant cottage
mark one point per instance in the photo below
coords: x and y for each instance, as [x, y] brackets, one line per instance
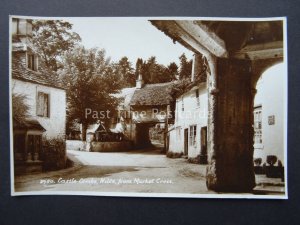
[188, 135]
[143, 107]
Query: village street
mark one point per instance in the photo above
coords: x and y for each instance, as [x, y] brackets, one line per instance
[146, 171]
[98, 110]
[139, 171]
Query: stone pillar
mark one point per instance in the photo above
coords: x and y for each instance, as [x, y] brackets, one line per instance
[230, 131]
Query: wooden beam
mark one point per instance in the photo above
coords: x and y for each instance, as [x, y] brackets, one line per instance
[204, 37]
[194, 44]
[261, 51]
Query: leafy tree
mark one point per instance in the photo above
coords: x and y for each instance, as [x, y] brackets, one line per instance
[185, 70]
[19, 107]
[53, 38]
[125, 71]
[138, 67]
[153, 72]
[148, 70]
[172, 70]
[90, 80]
[160, 74]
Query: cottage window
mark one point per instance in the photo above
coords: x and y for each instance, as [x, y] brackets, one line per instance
[193, 135]
[43, 105]
[197, 98]
[182, 105]
[32, 62]
[258, 125]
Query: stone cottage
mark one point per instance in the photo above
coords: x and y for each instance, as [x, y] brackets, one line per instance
[188, 135]
[43, 94]
[143, 107]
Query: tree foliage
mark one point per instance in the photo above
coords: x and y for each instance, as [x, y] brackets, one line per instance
[90, 80]
[152, 72]
[185, 70]
[19, 107]
[173, 70]
[53, 38]
[138, 67]
[125, 72]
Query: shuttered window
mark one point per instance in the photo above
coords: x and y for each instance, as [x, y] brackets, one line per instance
[43, 104]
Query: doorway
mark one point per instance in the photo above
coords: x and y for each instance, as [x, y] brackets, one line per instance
[34, 146]
[186, 144]
[203, 141]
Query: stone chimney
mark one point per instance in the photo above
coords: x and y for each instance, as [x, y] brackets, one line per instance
[21, 27]
[22, 30]
[139, 81]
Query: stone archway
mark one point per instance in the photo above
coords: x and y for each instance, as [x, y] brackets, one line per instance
[269, 119]
[142, 139]
[260, 66]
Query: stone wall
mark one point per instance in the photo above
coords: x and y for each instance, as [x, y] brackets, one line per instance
[122, 146]
[76, 145]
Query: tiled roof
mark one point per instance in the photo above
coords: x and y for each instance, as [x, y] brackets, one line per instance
[153, 94]
[20, 72]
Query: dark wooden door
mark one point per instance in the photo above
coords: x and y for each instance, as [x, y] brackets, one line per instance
[186, 143]
[203, 151]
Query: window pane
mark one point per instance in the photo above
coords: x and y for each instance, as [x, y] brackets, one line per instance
[258, 125]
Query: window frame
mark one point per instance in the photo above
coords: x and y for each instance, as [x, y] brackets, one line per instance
[193, 135]
[257, 126]
[32, 61]
[41, 112]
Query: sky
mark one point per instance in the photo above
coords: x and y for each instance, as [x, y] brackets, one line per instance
[131, 37]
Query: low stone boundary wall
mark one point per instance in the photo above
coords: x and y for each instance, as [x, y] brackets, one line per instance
[76, 145]
[121, 146]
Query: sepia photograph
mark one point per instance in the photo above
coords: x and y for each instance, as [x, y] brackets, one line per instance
[181, 107]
